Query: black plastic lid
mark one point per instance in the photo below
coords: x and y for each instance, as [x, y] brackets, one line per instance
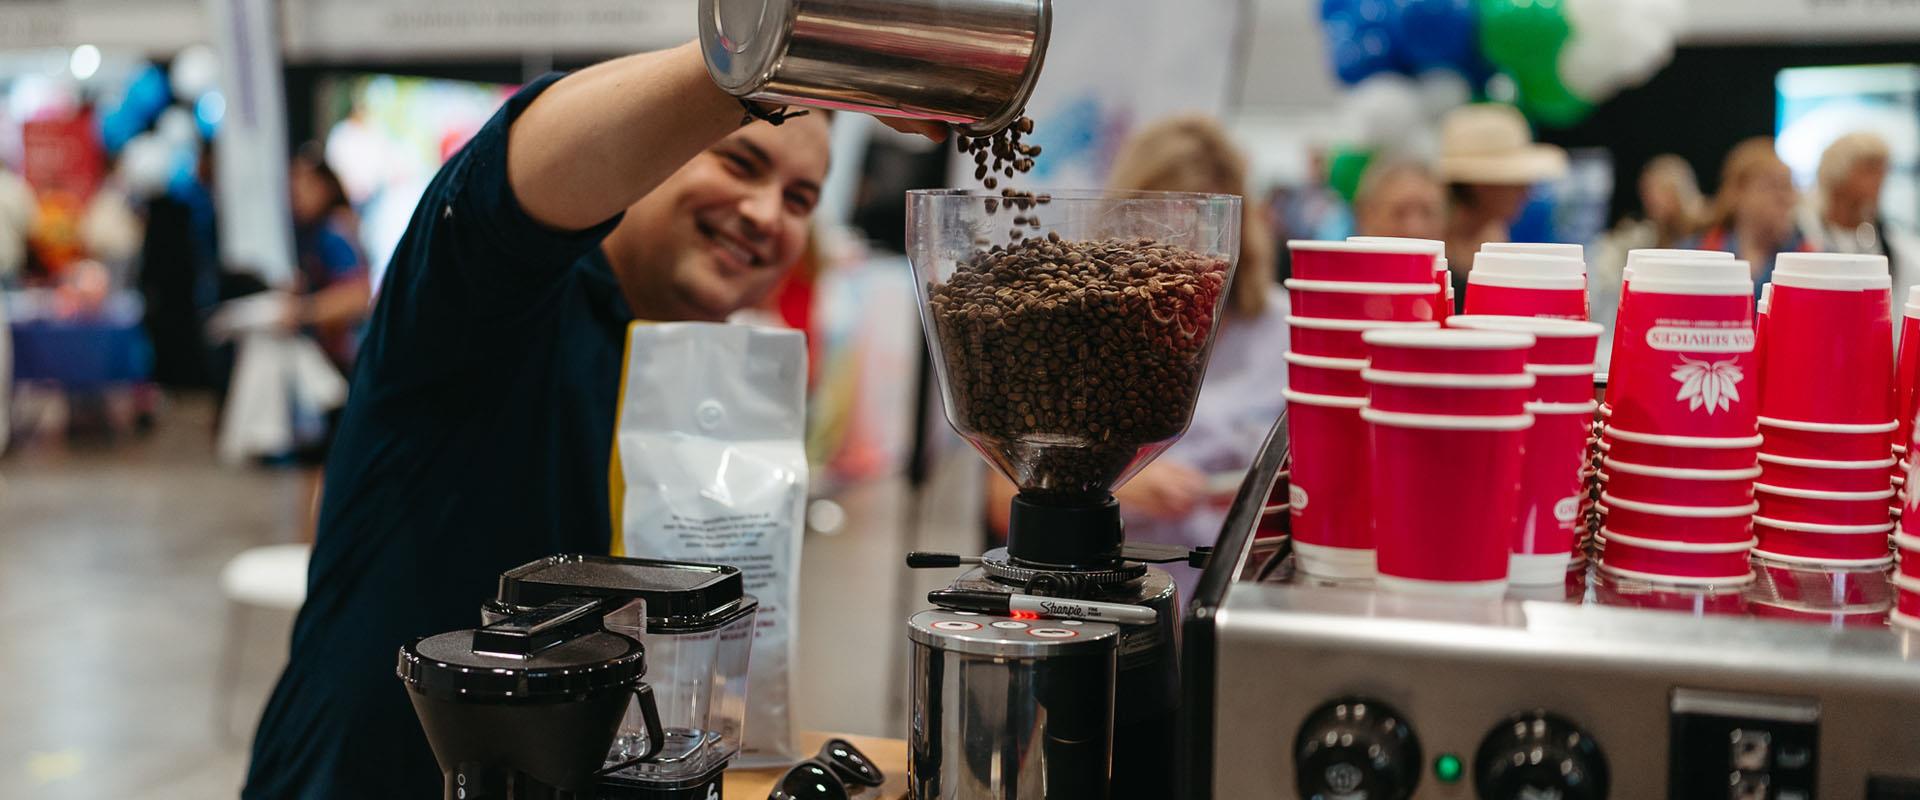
[446, 666]
[680, 595]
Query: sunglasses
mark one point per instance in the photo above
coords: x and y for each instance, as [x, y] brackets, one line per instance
[837, 772]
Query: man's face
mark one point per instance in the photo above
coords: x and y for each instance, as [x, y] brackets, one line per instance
[1409, 206]
[721, 232]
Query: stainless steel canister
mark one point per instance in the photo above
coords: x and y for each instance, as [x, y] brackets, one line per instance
[970, 63]
[1005, 709]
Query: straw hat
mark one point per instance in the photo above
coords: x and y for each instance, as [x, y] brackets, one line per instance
[1489, 143]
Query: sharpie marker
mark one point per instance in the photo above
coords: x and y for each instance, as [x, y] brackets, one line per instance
[1028, 605]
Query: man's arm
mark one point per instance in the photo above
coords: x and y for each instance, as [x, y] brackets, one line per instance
[603, 137]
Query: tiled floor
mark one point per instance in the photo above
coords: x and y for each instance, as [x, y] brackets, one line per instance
[112, 622]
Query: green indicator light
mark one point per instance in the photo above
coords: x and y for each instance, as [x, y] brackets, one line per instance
[1447, 768]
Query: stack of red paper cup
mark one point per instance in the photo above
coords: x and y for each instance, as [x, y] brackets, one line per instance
[1827, 412]
[1553, 477]
[1679, 448]
[1341, 290]
[1447, 427]
[1528, 284]
[1906, 579]
[1906, 398]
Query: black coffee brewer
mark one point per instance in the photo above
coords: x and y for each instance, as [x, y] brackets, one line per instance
[545, 700]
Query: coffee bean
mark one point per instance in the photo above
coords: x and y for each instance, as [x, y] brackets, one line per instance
[1088, 365]
[991, 182]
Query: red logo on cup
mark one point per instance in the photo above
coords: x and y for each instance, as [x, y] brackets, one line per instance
[1297, 496]
[1700, 340]
[1712, 385]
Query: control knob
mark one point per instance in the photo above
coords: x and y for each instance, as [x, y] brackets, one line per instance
[1356, 749]
[1539, 756]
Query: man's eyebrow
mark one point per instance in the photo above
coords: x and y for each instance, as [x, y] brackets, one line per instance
[755, 152]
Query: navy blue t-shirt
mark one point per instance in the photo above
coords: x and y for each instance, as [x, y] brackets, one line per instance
[476, 438]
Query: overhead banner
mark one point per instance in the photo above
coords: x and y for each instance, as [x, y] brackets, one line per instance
[147, 26]
[1773, 21]
[337, 29]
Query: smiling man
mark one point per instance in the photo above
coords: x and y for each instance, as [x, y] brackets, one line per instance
[478, 433]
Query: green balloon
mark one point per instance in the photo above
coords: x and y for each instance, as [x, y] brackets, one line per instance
[1522, 36]
[1344, 168]
[1545, 99]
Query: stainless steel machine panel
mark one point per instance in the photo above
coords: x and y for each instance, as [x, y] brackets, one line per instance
[1454, 669]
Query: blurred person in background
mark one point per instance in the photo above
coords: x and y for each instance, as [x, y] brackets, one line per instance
[1672, 209]
[331, 291]
[1181, 497]
[1752, 214]
[1843, 214]
[1400, 198]
[1490, 163]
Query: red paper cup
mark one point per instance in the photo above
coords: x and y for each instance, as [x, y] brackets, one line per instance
[1552, 491]
[1649, 559]
[1679, 487]
[1906, 547]
[1274, 522]
[1680, 452]
[1548, 300]
[1340, 338]
[1826, 441]
[1562, 383]
[1328, 490]
[1679, 524]
[1383, 262]
[1448, 351]
[1823, 508]
[1556, 341]
[1441, 393]
[1400, 302]
[1906, 609]
[1795, 542]
[1831, 476]
[1667, 594]
[1831, 585]
[1686, 363]
[1446, 489]
[1338, 377]
[1814, 334]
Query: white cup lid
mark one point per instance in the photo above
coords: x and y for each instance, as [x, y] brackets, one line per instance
[1830, 265]
[1913, 298]
[1406, 246]
[1691, 276]
[1543, 327]
[1573, 251]
[1530, 265]
[1634, 256]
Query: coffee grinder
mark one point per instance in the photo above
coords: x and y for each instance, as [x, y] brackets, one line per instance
[538, 702]
[1069, 353]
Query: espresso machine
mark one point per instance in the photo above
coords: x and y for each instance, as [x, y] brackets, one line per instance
[990, 711]
[545, 699]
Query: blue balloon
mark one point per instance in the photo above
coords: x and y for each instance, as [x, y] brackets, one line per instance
[148, 95]
[1359, 49]
[117, 128]
[1435, 34]
[1338, 9]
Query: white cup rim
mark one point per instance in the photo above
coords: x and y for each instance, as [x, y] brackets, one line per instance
[1540, 327]
[1406, 247]
[1663, 545]
[1840, 563]
[1448, 380]
[1538, 407]
[1446, 422]
[1434, 246]
[1829, 427]
[1448, 339]
[1638, 254]
[1831, 265]
[1833, 283]
[1912, 309]
[1679, 473]
[1544, 283]
[1562, 249]
[1901, 538]
[1688, 442]
[1821, 527]
[1906, 582]
[1359, 287]
[1325, 362]
[1562, 370]
[1822, 494]
[1334, 324]
[1815, 463]
[1323, 400]
[1680, 581]
[1680, 512]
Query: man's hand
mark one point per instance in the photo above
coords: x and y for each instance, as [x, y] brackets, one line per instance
[1164, 490]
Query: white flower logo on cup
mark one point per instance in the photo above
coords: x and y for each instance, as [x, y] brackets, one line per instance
[1712, 385]
[1297, 496]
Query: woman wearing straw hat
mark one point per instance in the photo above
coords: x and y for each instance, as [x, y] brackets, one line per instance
[1489, 160]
